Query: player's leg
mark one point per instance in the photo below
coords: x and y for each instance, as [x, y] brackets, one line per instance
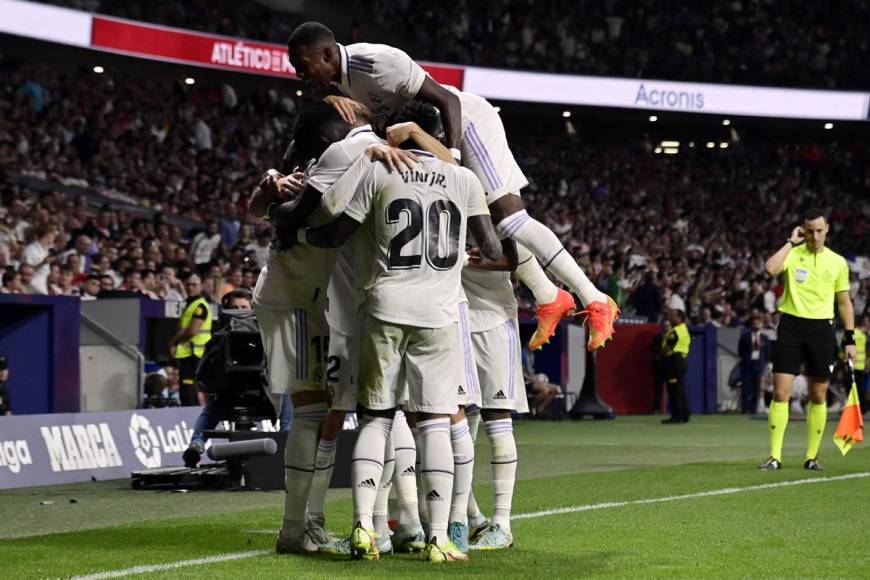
[291, 368]
[500, 373]
[817, 418]
[552, 303]
[434, 366]
[788, 356]
[486, 152]
[409, 536]
[460, 436]
[477, 522]
[380, 515]
[341, 371]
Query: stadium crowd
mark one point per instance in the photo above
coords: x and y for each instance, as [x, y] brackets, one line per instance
[687, 231]
[743, 41]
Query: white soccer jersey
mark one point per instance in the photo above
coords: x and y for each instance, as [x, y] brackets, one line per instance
[491, 299]
[380, 76]
[298, 277]
[417, 226]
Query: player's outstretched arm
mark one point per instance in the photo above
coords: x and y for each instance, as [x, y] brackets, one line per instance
[449, 106]
[507, 262]
[401, 132]
[274, 188]
[332, 235]
[484, 232]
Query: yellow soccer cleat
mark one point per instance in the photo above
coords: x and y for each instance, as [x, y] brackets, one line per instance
[446, 552]
[363, 545]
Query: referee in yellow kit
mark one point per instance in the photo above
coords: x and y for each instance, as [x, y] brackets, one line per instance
[814, 277]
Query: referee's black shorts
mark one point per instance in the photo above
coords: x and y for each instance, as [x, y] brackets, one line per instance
[807, 343]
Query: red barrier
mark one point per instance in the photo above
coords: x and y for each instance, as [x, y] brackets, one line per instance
[224, 52]
[625, 375]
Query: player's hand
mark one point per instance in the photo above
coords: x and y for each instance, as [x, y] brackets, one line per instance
[851, 352]
[347, 108]
[290, 186]
[396, 159]
[401, 132]
[797, 236]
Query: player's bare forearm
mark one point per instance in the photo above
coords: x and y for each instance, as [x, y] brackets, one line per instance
[846, 310]
[448, 105]
[506, 263]
[291, 215]
[487, 239]
[331, 235]
[427, 142]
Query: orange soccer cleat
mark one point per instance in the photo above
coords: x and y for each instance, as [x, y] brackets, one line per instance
[600, 317]
[548, 316]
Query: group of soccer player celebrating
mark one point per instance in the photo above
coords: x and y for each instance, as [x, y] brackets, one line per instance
[388, 292]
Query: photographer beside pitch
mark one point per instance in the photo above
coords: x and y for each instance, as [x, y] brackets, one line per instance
[814, 276]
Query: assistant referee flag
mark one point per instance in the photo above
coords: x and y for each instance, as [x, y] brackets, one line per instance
[850, 429]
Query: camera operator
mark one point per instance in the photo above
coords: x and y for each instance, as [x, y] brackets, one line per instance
[214, 410]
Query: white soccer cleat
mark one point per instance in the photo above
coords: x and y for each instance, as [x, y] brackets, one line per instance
[494, 538]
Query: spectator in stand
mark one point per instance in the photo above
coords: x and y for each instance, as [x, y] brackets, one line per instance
[12, 283]
[205, 244]
[39, 254]
[91, 287]
[5, 401]
[753, 349]
[538, 386]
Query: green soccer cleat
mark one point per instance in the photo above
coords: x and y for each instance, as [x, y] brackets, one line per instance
[363, 545]
[447, 552]
[457, 532]
[494, 538]
[409, 539]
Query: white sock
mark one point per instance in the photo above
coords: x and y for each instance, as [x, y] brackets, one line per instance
[300, 453]
[367, 466]
[463, 470]
[405, 474]
[504, 469]
[422, 508]
[437, 474]
[380, 515]
[530, 273]
[323, 466]
[547, 248]
[474, 514]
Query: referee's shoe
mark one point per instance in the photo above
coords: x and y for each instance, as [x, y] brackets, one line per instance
[771, 464]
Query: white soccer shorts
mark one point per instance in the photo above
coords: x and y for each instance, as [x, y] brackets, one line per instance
[468, 391]
[342, 368]
[499, 367]
[485, 151]
[430, 359]
[296, 343]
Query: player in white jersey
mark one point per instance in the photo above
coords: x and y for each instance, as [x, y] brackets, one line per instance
[290, 299]
[384, 78]
[416, 221]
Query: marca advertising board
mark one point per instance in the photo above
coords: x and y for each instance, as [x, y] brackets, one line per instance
[71, 447]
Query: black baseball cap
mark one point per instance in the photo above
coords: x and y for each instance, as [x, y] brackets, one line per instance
[4, 364]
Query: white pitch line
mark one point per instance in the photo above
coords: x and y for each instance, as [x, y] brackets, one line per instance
[526, 516]
[711, 493]
[173, 565]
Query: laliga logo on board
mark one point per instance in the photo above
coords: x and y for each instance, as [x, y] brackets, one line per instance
[149, 443]
[144, 441]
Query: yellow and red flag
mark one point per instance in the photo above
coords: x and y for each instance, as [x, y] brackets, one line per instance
[850, 429]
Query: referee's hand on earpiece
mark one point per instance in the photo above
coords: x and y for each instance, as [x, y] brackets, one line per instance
[797, 236]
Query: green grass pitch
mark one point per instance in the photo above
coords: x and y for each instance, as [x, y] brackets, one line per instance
[818, 529]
